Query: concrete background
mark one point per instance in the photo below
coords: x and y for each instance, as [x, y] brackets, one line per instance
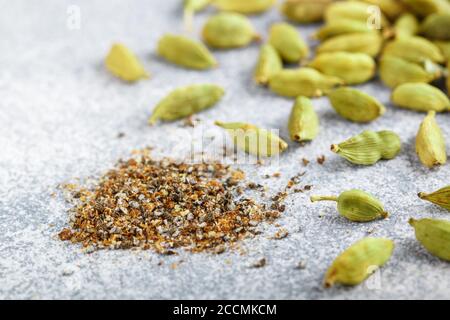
[61, 112]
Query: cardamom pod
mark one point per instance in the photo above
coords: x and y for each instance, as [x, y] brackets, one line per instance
[122, 63]
[269, 63]
[303, 121]
[434, 235]
[436, 26]
[369, 147]
[448, 77]
[414, 49]
[359, 261]
[440, 197]
[253, 140]
[406, 25]
[444, 46]
[304, 11]
[185, 52]
[229, 30]
[424, 8]
[391, 8]
[420, 97]
[244, 7]
[353, 68]
[368, 43]
[342, 26]
[430, 143]
[353, 10]
[190, 8]
[355, 105]
[186, 101]
[302, 82]
[356, 205]
[288, 42]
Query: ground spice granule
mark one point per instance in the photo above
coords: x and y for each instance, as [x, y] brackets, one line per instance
[164, 205]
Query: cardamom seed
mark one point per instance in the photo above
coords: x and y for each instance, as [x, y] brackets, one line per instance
[391, 8]
[304, 11]
[186, 101]
[302, 82]
[430, 143]
[353, 68]
[185, 52]
[369, 147]
[434, 235]
[342, 26]
[420, 97]
[122, 63]
[440, 197]
[359, 261]
[303, 121]
[444, 46]
[353, 10]
[244, 7]
[355, 105]
[436, 26]
[406, 26]
[288, 42]
[269, 63]
[368, 43]
[253, 140]
[424, 8]
[356, 205]
[229, 30]
[190, 8]
[414, 49]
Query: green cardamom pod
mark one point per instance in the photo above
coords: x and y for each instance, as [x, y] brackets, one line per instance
[424, 8]
[304, 11]
[342, 26]
[244, 7]
[302, 82]
[186, 101]
[359, 261]
[436, 26]
[356, 205]
[414, 49]
[229, 30]
[430, 142]
[303, 121]
[353, 10]
[253, 140]
[369, 147]
[185, 52]
[434, 235]
[269, 63]
[391, 8]
[355, 105]
[420, 97]
[190, 8]
[368, 43]
[440, 197]
[122, 63]
[406, 25]
[353, 68]
[288, 42]
[444, 46]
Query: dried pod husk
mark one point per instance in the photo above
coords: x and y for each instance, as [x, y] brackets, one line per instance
[359, 261]
[190, 8]
[342, 26]
[185, 52]
[414, 49]
[244, 7]
[406, 25]
[440, 197]
[369, 147]
[302, 82]
[430, 142]
[353, 68]
[355, 105]
[229, 30]
[420, 97]
[353, 10]
[269, 63]
[423, 8]
[122, 63]
[186, 101]
[368, 43]
[444, 46]
[288, 42]
[356, 205]
[303, 122]
[436, 26]
[391, 8]
[434, 235]
[254, 140]
[304, 11]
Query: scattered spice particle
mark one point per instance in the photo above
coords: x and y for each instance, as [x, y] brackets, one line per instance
[260, 263]
[190, 121]
[280, 234]
[120, 135]
[277, 175]
[301, 265]
[305, 162]
[321, 160]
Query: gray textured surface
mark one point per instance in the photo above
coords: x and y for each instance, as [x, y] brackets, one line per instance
[60, 113]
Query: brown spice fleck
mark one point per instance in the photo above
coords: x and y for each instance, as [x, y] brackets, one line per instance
[259, 263]
[305, 161]
[281, 234]
[321, 160]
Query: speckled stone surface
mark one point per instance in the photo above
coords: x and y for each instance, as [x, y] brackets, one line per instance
[61, 112]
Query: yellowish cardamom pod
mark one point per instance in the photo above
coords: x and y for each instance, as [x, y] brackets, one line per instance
[353, 68]
[369, 147]
[391, 8]
[436, 26]
[244, 7]
[356, 205]
[368, 43]
[185, 52]
[190, 8]
[406, 25]
[253, 140]
[353, 10]
[434, 235]
[444, 46]
[303, 121]
[448, 77]
[288, 42]
[305, 11]
[430, 143]
[414, 49]
[229, 30]
[122, 63]
[186, 101]
[440, 197]
[355, 105]
[420, 97]
[342, 26]
[359, 261]
[424, 8]
[269, 63]
[302, 82]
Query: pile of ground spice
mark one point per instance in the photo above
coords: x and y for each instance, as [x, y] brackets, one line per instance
[164, 205]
